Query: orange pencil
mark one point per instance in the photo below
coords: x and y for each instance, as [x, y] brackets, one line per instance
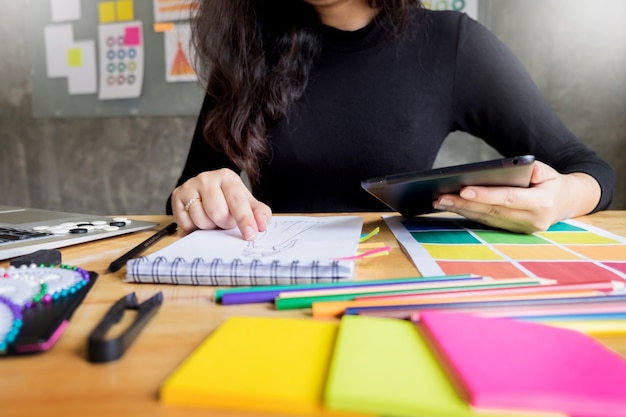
[336, 308]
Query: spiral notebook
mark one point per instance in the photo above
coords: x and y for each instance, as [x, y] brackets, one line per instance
[294, 249]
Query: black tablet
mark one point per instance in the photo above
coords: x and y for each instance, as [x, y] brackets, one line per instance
[413, 193]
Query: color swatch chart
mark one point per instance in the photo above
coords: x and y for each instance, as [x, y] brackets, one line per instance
[568, 252]
[121, 60]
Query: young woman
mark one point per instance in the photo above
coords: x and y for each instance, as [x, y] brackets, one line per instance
[309, 97]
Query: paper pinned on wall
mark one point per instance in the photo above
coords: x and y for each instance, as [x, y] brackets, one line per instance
[171, 10]
[66, 58]
[58, 39]
[121, 48]
[81, 71]
[65, 10]
[178, 58]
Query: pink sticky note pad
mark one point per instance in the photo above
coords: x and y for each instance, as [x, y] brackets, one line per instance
[132, 36]
[503, 363]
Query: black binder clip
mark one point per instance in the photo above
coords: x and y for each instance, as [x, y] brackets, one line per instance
[100, 349]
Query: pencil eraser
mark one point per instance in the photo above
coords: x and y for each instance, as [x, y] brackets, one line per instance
[45, 257]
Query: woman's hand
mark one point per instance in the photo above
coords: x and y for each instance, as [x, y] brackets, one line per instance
[551, 197]
[219, 199]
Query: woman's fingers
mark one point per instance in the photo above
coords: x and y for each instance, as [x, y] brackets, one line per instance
[219, 199]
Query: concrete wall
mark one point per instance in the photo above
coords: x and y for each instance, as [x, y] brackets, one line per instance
[575, 50]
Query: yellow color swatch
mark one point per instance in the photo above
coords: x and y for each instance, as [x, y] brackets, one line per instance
[461, 252]
[106, 12]
[577, 238]
[125, 10]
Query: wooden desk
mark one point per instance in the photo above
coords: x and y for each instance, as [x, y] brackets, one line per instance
[63, 383]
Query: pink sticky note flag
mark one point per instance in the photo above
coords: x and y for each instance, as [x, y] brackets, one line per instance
[132, 36]
[502, 363]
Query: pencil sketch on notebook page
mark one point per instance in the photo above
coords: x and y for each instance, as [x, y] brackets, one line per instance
[280, 235]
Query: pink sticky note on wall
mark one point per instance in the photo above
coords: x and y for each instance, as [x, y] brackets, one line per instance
[132, 36]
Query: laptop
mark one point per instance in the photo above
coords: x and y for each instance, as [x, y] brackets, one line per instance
[26, 230]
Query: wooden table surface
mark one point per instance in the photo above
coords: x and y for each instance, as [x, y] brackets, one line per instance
[62, 383]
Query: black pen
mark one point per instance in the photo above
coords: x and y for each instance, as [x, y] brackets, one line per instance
[121, 261]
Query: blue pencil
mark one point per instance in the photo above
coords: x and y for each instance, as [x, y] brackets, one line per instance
[267, 293]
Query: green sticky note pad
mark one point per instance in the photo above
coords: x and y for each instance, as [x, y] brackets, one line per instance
[385, 366]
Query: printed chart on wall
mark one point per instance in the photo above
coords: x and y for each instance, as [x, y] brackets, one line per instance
[172, 19]
[120, 40]
[466, 6]
[568, 252]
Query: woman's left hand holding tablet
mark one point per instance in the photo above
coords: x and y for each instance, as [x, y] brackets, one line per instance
[551, 197]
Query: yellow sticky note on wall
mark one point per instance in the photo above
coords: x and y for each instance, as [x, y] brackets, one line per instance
[74, 57]
[125, 10]
[106, 12]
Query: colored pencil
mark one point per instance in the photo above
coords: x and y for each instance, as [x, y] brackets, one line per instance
[602, 303]
[413, 286]
[267, 293]
[295, 300]
[575, 317]
[336, 308]
[322, 309]
[608, 286]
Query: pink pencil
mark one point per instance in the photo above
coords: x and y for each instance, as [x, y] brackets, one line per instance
[528, 311]
[535, 289]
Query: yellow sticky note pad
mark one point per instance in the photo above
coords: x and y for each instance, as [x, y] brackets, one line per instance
[273, 365]
[106, 12]
[125, 10]
[74, 57]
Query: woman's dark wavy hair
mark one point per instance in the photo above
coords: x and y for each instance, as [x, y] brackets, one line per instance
[254, 58]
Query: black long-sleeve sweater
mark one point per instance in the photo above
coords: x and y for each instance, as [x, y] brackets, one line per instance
[377, 105]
